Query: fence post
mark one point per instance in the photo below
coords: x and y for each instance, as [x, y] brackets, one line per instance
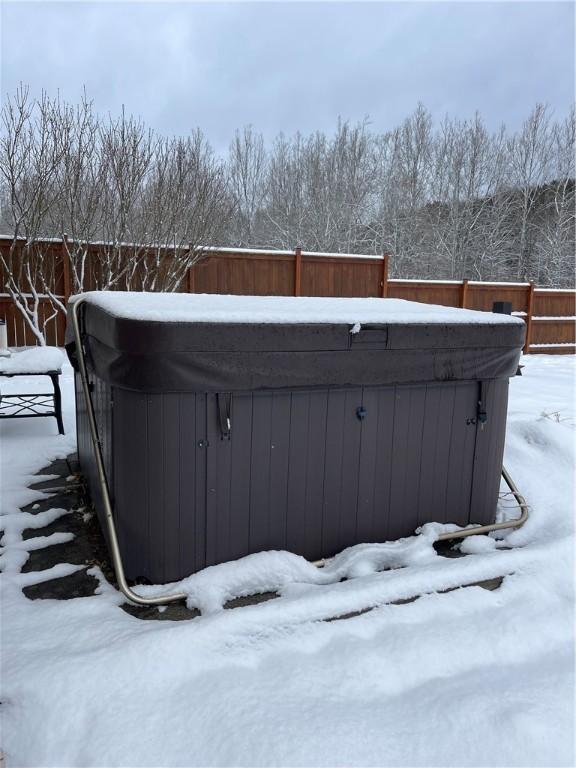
[66, 268]
[464, 294]
[190, 276]
[529, 317]
[298, 271]
[384, 283]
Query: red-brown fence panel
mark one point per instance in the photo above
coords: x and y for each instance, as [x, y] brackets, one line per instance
[549, 313]
[445, 293]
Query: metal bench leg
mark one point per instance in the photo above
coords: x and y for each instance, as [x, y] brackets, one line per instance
[57, 402]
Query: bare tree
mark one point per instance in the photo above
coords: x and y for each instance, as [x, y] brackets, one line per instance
[134, 210]
[29, 158]
[321, 189]
[163, 202]
[153, 204]
[284, 211]
[247, 174]
[530, 156]
[76, 215]
[555, 246]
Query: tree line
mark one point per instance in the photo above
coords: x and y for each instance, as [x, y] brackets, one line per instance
[447, 200]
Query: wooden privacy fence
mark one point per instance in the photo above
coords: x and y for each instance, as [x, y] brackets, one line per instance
[549, 313]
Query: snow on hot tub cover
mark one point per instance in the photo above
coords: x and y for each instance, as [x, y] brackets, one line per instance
[156, 342]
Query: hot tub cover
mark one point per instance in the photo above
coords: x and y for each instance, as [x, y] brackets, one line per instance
[155, 342]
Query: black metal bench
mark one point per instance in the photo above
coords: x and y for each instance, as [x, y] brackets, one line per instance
[33, 405]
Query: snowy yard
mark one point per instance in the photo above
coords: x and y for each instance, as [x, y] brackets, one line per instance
[463, 678]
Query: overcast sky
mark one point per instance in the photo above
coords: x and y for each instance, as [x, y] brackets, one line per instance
[293, 66]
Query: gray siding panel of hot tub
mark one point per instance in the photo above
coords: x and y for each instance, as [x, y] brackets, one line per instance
[297, 470]
[131, 487]
[192, 482]
[409, 438]
[315, 447]
[376, 456]
[228, 483]
[261, 510]
[102, 401]
[82, 432]
[270, 464]
[301, 471]
[461, 457]
[340, 471]
[489, 452]
[160, 481]
[279, 464]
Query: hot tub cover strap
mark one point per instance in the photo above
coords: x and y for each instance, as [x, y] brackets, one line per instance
[224, 401]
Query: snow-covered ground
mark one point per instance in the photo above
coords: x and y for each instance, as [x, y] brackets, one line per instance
[465, 678]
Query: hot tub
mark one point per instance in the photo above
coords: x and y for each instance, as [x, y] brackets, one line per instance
[234, 424]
